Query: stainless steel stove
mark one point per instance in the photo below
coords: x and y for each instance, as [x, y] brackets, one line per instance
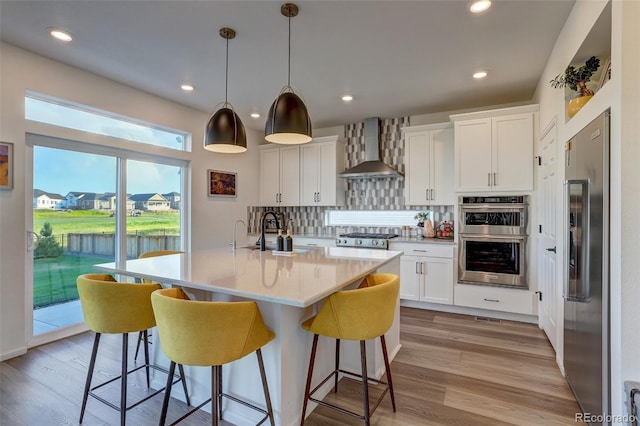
[365, 240]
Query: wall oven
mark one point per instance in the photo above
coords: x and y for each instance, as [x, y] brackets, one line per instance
[493, 241]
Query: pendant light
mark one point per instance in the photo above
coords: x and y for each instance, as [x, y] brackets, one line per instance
[225, 131]
[288, 121]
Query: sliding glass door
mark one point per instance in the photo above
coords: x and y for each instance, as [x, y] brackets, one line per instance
[76, 203]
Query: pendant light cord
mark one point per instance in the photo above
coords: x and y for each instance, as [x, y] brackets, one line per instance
[289, 66]
[226, 75]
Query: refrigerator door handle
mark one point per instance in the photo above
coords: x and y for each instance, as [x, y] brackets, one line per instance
[577, 282]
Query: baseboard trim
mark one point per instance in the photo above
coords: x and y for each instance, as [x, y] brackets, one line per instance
[508, 316]
[12, 354]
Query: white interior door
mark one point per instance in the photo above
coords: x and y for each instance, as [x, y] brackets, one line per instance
[548, 260]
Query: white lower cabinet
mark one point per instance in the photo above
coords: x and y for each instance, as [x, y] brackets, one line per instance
[495, 298]
[426, 272]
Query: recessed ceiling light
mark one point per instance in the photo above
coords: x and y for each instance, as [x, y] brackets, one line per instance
[480, 6]
[255, 115]
[479, 74]
[61, 35]
[187, 87]
[347, 98]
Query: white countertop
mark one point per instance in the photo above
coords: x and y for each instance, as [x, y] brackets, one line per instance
[298, 280]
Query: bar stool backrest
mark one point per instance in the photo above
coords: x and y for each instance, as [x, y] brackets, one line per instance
[360, 314]
[207, 333]
[113, 307]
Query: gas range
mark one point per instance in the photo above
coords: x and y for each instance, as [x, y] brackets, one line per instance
[365, 240]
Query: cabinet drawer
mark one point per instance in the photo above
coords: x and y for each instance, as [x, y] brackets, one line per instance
[429, 250]
[494, 298]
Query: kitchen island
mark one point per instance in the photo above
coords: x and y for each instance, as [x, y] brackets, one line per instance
[288, 289]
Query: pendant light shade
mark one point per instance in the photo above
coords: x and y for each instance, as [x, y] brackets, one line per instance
[225, 132]
[288, 121]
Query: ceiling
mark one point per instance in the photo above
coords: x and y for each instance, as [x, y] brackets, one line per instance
[395, 57]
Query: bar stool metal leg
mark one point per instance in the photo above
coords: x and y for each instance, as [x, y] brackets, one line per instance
[141, 338]
[184, 383]
[365, 382]
[309, 374]
[146, 355]
[215, 394]
[335, 385]
[123, 384]
[167, 393]
[92, 364]
[388, 371]
[265, 387]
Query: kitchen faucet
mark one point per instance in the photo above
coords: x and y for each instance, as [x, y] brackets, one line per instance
[234, 244]
[262, 224]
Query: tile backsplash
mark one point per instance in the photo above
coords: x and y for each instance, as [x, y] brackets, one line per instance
[361, 194]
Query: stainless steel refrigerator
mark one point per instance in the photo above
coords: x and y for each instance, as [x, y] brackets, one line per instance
[586, 286]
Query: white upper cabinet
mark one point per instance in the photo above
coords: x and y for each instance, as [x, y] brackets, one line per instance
[429, 165]
[320, 162]
[280, 176]
[494, 150]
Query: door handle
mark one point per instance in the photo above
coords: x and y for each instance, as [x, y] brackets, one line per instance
[553, 249]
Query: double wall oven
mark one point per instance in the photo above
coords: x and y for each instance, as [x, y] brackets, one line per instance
[492, 238]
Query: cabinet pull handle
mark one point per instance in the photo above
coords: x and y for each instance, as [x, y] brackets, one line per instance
[276, 197]
[488, 179]
[280, 197]
[495, 179]
[422, 268]
[432, 195]
[491, 300]
[417, 270]
[419, 250]
[318, 197]
[426, 194]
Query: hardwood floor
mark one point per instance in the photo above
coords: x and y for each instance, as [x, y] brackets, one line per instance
[451, 370]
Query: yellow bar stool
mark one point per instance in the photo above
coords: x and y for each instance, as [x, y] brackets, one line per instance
[210, 334]
[143, 336]
[360, 314]
[118, 308]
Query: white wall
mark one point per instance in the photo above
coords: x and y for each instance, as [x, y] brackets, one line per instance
[212, 218]
[619, 94]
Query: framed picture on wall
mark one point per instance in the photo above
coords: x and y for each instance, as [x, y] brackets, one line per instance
[222, 184]
[6, 165]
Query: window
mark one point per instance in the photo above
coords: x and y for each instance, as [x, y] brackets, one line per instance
[57, 113]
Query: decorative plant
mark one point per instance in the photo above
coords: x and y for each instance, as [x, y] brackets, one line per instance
[421, 217]
[577, 78]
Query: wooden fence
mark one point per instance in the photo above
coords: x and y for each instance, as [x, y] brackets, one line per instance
[104, 244]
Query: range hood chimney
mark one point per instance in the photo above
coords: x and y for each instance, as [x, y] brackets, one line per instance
[372, 167]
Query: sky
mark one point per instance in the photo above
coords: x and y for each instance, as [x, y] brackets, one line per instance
[60, 171]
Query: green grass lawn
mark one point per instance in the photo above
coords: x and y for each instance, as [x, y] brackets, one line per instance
[91, 221]
[55, 279]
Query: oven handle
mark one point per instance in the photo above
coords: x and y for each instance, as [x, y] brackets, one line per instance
[485, 237]
[491, 207]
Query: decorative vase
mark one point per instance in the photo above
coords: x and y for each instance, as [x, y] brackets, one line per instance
[429, 232]
[576, 104]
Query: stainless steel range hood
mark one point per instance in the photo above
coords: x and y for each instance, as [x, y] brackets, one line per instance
[372, 167]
